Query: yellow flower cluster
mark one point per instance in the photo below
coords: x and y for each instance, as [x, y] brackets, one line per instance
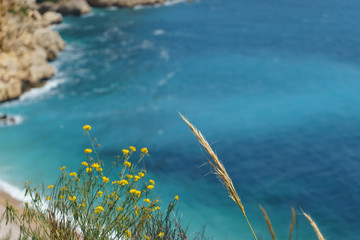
[50, 186]
[136, 192]
[48, 198]
[119, 209]
[63, 189]
[85, 164]
[128, 233]
[87, 127]
[150, 187]
[61, 196]
[136, 178]
[105, 179]
[99, 209]
[73, 198]
[152, 182]
[156, 208]
[144, 150]
[124, 182]
[176, 197]
[87, 150]
[141, 174]
[62, 168]
[88, 170]
[129, 176]
[132, 148]
[125, 151]
[99, 194]
[127, 164]
[73, 174]
[161, 234]
[147, 200]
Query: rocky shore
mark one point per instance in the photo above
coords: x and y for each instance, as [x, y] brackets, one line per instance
[27, 43]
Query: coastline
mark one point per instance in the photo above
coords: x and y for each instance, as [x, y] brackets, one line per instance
[8, 230]
[28, 44]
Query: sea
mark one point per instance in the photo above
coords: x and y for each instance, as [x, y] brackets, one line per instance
[274, 86]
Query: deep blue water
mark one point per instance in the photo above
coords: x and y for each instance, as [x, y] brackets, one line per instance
[273, 85]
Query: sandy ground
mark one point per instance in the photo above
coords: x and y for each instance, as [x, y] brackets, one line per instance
[10, 230]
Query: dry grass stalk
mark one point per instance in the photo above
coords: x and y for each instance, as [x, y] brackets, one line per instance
[293, 219]
[219, 170]
[268, 222]
[315, 227]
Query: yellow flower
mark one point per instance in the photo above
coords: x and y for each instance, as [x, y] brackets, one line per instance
[88, 150]
[141, 174]
[87, 127]
[50, 186]
[150, 187]
[73, 174]
[99, 169]
[147, 200]
[105, 179]
[63, 189]
[161, 234]
[73, 198]
[176, 197]
[95, 165]
[27, 203]
[128, 233]
[88, 170]
[129, 176]
[138, 193]
[144, 150]
[85, 164]
[156, 208]
[62, 197]
[99, 209]
[119, 209]
[147, 237]
[62, 168]
[83, 204]
[136, 178]
[99, 194]
[125, 151]
[132, 191]
[124, 182]
[152, 182]
[128, 164]
[48, 198]
[132, 148]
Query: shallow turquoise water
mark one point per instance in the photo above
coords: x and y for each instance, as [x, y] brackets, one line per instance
[273, 86]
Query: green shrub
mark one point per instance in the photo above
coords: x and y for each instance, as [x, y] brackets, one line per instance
[87, 204]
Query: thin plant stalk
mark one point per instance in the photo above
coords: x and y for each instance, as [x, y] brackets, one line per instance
[219, 170]
[268, 222]
[293, 219]
[315, 227]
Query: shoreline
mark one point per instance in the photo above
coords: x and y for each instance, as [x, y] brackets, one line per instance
[11, 230]
[26, 52]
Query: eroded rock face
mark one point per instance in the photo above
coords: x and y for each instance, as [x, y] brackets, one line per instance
[65, 7]
[27, 43]
[52, 17]
[122, 3]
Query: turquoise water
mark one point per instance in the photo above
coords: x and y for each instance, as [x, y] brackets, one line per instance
[273, 86]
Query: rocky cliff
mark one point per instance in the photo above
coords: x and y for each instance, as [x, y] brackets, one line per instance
[26, 45]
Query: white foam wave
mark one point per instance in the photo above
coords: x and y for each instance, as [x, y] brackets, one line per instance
[42, 92]
[166, 3]
[13, 191]
[17, 119]
[158, 32]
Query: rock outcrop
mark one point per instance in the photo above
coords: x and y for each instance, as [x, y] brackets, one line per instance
[122, 3]
[65, 7]
[26, 45]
